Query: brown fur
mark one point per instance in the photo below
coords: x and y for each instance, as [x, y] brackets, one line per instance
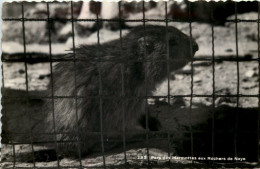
[94, 77]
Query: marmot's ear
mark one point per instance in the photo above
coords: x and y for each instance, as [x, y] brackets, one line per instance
[145, 43]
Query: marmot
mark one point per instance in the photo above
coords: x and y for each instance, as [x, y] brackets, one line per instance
[99, 69]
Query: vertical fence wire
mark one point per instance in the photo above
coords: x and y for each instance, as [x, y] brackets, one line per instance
[3, 81]
[3, 114]
[213, 85]
[192, 74]
[52, 88]
[123, 87]
[3, 86]
[75, 83]
[237, 64]
[33, 158]
[123, 81]
[14, 160]
[146, 104]
[26, 75]
[24, 48]
[168, 68]
[258, 46]
[100, 93]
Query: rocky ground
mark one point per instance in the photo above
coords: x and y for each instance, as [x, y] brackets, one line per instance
[224, 48]
[226, 78]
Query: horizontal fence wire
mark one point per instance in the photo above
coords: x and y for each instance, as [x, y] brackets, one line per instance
[128, 20]
[141, 133]
[131, 97]
[44, 58]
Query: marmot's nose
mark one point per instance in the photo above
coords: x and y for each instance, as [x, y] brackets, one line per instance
[195, 46]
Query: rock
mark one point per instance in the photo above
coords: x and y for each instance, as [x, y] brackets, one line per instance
[197, 79]
[224, 100]
[245, 80]
[249, 85]
[151, 101]
[250, 73]
[183, 72]
[179, 77]
[161, 101]
[172, 77]
[248, 56]
[202, 63]
[177, 102]
[218, 67]
[248, 30]
[42, 77]
[21, 71]
[229, 50]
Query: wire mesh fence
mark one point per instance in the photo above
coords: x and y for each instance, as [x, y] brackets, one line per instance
[57, 137]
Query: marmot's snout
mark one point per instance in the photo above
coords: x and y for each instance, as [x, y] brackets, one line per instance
[195, 46]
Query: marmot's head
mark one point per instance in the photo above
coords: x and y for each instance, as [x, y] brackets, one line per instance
[155, 51]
